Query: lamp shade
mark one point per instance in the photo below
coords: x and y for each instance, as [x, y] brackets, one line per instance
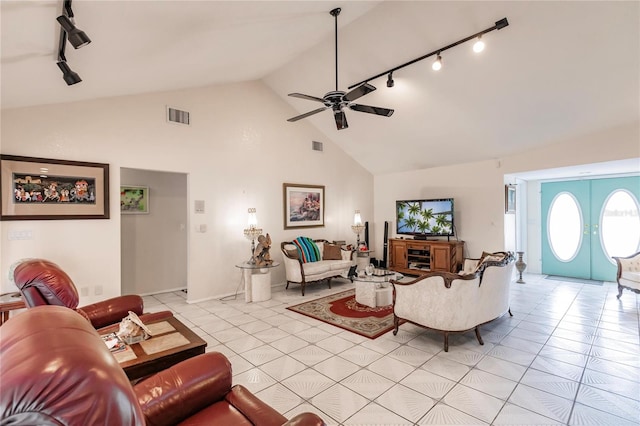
[253, 219]
[357, 219]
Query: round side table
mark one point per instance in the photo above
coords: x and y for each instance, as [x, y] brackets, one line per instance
[257, 281]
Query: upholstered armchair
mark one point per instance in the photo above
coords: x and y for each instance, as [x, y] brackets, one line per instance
[42, 282]
[455, 303]
[628, 273]
[56, 370]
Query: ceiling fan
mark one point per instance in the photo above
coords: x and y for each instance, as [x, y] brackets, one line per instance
[337, 99]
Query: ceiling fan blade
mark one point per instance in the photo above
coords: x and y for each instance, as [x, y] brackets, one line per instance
[341, 119]
[306, 114]
[308, 97]
[359, 92]
[372, 110]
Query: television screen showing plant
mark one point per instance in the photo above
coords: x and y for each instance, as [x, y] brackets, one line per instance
[429, 217]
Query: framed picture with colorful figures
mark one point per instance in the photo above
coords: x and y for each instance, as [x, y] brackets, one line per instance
[35, 188]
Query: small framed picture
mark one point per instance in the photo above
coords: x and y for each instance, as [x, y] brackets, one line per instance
[134, 199]
[509, 198]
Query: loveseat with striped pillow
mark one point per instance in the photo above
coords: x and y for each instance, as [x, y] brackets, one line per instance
[307, 260]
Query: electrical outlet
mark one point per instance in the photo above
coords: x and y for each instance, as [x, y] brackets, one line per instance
[84, 291]
[98, 290]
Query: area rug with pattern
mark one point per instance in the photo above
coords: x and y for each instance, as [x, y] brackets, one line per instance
[342, 310]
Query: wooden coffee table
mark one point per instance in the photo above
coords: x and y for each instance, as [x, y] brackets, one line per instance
[171, 343]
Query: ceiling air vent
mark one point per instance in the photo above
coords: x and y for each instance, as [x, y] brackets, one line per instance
[177, 116]
[316, 146]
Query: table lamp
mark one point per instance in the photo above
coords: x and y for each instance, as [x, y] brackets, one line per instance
[252, 232]
[357, 227]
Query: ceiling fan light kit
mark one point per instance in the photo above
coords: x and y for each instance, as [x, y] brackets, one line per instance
[76, 37]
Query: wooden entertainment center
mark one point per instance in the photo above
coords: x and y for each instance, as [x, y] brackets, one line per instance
[415, 257]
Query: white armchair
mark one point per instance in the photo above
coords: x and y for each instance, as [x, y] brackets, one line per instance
[449, 302]
[628, 273]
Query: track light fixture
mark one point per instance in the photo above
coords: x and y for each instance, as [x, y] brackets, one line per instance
[478, 46]
[437, 64]
[68, 75]
[390, 82]
[498, 26]
[76, 37]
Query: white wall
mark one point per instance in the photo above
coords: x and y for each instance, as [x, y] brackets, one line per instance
[478, 193]
[237, 152]
[478, 189]
[154, 245]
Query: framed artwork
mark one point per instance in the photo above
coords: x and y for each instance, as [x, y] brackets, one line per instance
[44, 189]
[509, 198]
[303, 205]
[134, 199]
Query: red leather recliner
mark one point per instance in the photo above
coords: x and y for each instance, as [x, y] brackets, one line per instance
[56, 370]
[42, 282]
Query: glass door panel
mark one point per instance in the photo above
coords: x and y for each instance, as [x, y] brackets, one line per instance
[616, 229]
[565, 229]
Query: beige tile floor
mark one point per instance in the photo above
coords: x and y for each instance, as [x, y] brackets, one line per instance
[570, 355]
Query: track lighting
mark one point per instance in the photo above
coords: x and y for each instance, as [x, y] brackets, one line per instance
[69, 76]
[76, 37]
[437, 64]
[478, 45]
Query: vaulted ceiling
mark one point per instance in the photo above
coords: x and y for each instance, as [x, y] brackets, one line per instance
[558, 71]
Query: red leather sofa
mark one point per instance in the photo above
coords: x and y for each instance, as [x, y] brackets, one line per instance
[56, 370]
[42, 282]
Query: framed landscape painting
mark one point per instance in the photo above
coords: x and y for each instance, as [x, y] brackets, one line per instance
[134, 199]
[303, 205]
[44, 189]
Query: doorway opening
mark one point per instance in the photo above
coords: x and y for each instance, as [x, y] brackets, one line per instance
[154, 240]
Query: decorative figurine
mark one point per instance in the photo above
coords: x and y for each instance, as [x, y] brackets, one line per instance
[261, 256]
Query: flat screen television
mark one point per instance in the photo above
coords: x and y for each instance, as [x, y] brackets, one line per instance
[425, 218]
